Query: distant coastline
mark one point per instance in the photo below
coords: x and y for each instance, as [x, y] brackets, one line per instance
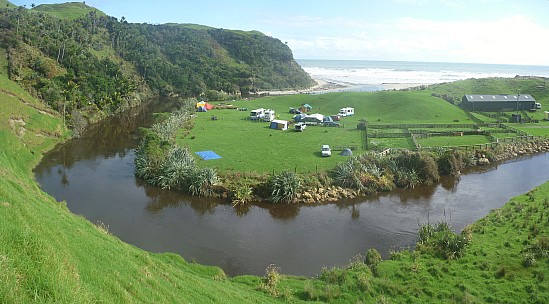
[369, 76]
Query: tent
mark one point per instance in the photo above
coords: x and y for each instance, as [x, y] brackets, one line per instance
[346, 152]
[201, 109]
[204, 104]
[305, 108]
[279, 124]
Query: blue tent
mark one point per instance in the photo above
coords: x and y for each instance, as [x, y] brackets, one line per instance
[202, 109]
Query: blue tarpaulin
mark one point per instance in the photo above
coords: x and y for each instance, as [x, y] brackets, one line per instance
[207, 155]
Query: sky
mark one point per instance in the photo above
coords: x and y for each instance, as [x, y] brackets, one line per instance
[469, 31]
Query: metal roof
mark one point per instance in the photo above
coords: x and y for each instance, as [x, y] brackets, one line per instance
[500, 98]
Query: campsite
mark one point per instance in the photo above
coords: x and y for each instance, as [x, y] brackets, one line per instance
[395, 119]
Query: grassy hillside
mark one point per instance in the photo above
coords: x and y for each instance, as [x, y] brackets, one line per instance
[5, 3]
[49, 255]
[69, 10]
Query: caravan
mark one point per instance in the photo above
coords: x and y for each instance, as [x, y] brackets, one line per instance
[257, 114]
[346, 112]
[269, 115]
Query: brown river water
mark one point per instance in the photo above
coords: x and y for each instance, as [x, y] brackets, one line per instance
[94, 175]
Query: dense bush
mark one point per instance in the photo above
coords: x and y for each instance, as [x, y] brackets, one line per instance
[450, 162]
[440, 240]
[284, 187]
[373, 258]
[202, 181]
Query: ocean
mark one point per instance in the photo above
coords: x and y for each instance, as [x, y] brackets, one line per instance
[368, 75]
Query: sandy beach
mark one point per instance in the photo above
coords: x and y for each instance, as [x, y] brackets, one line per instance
[323, 86]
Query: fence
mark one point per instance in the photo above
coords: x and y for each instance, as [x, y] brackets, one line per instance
[491, 145]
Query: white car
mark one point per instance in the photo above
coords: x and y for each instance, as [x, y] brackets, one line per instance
[326, 151]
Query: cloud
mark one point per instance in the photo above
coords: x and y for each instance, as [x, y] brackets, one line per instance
[510, 39]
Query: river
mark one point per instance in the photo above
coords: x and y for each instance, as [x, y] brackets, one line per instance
[94, 175]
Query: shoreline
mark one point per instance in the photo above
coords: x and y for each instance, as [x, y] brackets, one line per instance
[324, 86]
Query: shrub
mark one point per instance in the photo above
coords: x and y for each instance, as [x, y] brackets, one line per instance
[422, 163]
[271, 279]
[347, 174]
[241, 194]
[284, 187]
[176, 169]
[201, 181]
[440, 240]
[373, 258]
[450, 163]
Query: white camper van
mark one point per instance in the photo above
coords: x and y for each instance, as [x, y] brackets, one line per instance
[269, 115]
[346, 112]
[257, 114]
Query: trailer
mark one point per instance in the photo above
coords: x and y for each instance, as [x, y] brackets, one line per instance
[257, 114]
[343, 112]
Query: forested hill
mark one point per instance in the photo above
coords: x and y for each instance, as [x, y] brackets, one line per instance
[81, 61]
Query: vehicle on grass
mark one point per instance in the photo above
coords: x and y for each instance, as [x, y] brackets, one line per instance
[538, 105]
[257, 114]
[329, 122]
[326, 151]
[269, 115]
[336, 117]
[299, 127]
[313, 119]
[294, 111]
[343, 112]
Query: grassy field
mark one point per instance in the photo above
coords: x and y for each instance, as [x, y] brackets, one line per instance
[251, 146]
[444, 141]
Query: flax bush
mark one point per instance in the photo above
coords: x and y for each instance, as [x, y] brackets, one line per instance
[202, 181]
[441, 241]
[284, 187]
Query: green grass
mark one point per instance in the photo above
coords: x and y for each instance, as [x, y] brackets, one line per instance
[535, 130]
[5, 3]
[250, 146]
[443, 141]
[70, 10]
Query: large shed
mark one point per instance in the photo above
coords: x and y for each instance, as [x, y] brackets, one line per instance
[494, 103]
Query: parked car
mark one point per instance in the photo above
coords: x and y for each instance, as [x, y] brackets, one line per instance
[326, 151]
[299, 127]
[294, 111]
[330, 124]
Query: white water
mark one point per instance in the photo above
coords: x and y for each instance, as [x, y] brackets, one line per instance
[390, 72]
